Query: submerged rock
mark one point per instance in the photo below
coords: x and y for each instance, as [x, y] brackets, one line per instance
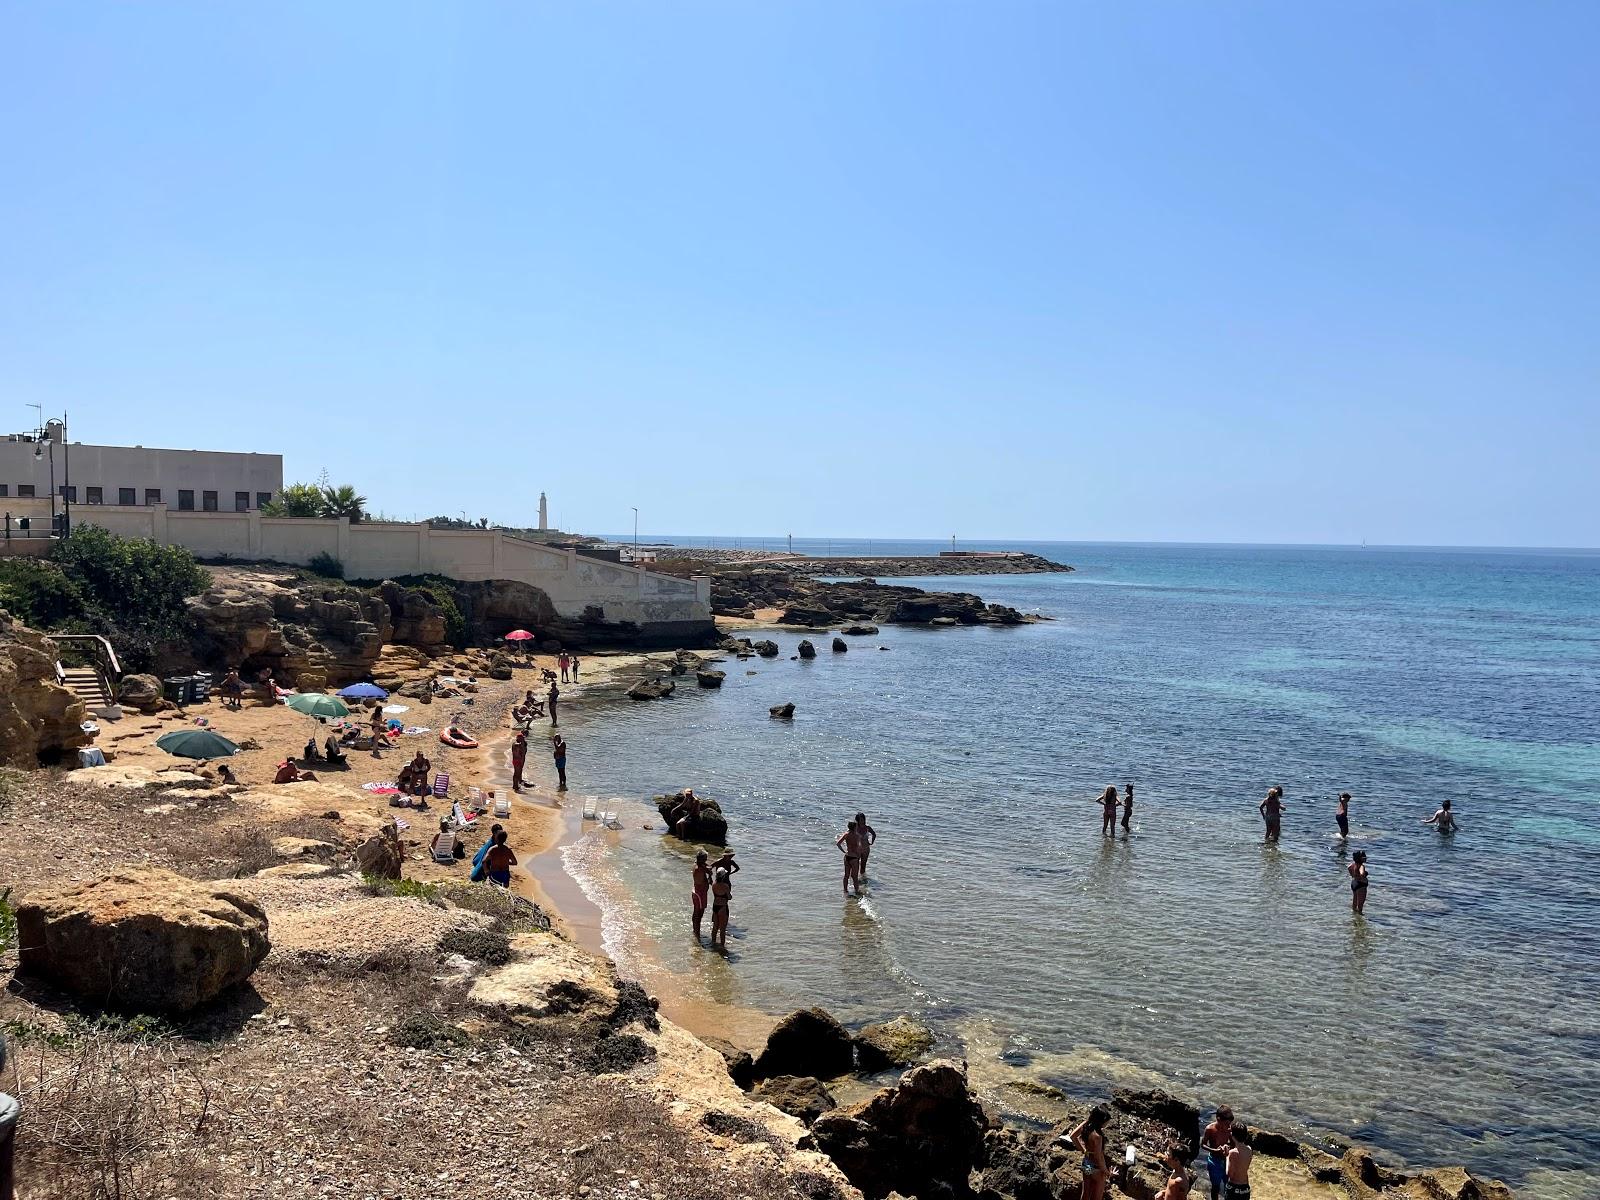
[860, 630]
[840, 645]
[767, 648]
[896, 1043]
[783, 712]
[807, 649]
[651, 689]
[708, 678]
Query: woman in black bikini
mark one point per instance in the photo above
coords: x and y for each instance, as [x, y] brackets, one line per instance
[1358, 881]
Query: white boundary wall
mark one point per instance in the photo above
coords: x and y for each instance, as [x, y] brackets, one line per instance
[381, 550]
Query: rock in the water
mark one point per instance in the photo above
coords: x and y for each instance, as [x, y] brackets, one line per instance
[1272, 1143]
[1177, 1115]
[142, 692]
[840, 645]
[783, 712]
[807, 1042]
[651, 689]
[807, 650]
[766, 648]
[896, 1043]
[922, 1137]
[861, 630]
[39, 719]
[707, 677]
[381, 854]
[798, 1095]
[143, 939]
[708, 825]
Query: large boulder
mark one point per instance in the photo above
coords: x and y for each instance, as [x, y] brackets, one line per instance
[652, 689]
[861, 630]
[710, 826]
[807, 648]
[1181, 1117]
[807, 1042]
[707, 677]
[782, 712]
[840, 645]
[798, 1095]
[741, 1066]
[141, 692]
[415, 617]
[143, 939]
[809, 615]
[1016, 1167]
[38, 717]
[922, 1137]
[896, 1043]
[766, 648]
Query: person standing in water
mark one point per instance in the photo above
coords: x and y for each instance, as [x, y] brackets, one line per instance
[1444, 819]
[1108, 812]
[555, 694]
[850, 842]
[1271, 810]
[558, 751]
[1358, 881]
[700, 889]
[1341, 815]
[721, 896]
[519, 759]
[1127, 806]
[1216, 1139]
[1088, 1137]
[574, 666]
[1239, 1156]
[869, 835]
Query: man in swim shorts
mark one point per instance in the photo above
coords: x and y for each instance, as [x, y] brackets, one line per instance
[1216, 1139]
[851, 842]
[1239, 1156]
[519, 759]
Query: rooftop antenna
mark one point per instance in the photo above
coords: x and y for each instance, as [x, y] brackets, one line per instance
[38, 408]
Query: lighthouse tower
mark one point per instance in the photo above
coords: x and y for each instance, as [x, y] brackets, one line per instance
[544, 514]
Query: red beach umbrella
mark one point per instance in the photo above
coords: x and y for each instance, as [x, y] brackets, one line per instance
[519, 635]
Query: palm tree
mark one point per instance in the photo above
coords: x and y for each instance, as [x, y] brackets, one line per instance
[343, 501]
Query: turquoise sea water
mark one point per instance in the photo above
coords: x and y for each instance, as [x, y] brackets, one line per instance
[1459, 1021]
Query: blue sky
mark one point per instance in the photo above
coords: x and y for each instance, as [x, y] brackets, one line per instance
[1289, 272]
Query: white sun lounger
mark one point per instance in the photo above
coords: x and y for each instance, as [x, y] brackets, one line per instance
[502, 805]
[589, 813]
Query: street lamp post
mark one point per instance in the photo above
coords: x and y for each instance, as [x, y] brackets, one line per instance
[635, 535]
[38, 453]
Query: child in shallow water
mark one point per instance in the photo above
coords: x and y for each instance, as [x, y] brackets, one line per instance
[1358, 881]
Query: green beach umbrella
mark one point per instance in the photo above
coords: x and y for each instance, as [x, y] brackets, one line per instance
[315, 704]
[196, 743]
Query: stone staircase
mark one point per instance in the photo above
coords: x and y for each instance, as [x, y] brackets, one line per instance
[86, 684]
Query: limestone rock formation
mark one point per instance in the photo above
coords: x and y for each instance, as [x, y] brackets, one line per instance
[922, 1137]
[651, 689]
[710, 826]
[38, 717]
[809, 615]
[415, 619]
[143, 939]
[896, 1043]
[807, 649]
[707, 677]
[798, 1095]
[807, 1042]
[1181, 1117]
[141, 692]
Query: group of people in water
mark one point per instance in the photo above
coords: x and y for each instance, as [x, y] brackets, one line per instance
[713, 881]
[1271, 809]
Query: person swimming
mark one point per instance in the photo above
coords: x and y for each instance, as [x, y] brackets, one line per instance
[1444, 820]
[1358, 881]
[1341, 815]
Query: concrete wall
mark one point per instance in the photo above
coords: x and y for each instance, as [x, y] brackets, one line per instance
[383, 550]
[111, 468]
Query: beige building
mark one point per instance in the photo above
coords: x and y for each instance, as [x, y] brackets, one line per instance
[132, 476]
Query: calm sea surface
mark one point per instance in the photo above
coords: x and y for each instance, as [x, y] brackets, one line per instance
[1458, 1022]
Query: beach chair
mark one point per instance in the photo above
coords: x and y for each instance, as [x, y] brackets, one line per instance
[502, 805]
[441, 786]
[444, 848]
[609, 820]
[475, 796]
[461, 819]
[589, 810]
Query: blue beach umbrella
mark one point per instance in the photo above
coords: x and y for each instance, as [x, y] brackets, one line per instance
[363, 691]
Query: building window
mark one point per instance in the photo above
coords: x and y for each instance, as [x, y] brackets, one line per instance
[208, 501]
[70, 494]
[96, 495]
[185, 500]
[24, 491]
[241, 502]
[126, 496]
[5, 489]
[152, 495]
[263, 499]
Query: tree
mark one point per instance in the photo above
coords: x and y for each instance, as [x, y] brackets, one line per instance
[343, 501]
[296, 500]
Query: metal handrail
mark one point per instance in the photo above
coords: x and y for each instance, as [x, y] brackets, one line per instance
[111, 655]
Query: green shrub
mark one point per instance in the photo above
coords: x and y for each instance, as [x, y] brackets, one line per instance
[489, 946]
[413, 889]
[38, 592]
[326, 565]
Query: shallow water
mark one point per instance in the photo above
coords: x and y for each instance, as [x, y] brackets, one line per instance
[1459, 1021]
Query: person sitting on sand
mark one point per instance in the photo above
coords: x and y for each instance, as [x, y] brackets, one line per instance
[1216, 1139]
[869, 835]
[225, 773]
[1108, 812]
[721, 897]
[331, 751]
[1088, 1137]
[851, 841]
[1444, 819]
[699, 889]
[1239, 1156]
[289, 773]
[311, 753]
[497, 863]
[1341, 815]
[1358, 881]
[1177, 1187]
[1271, 810]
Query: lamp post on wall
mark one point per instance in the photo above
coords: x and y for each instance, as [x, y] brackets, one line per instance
[38, 453]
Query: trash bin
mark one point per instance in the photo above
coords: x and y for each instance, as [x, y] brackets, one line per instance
[175, 690]
[201, 682]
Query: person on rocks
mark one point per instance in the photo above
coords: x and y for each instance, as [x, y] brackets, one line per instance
[499, 860]
[550, 700]
[1239, 1155]
[1127, 807]
[1108, 812]
[1443, 819]
[483, 852]
[1341, 815]
[869, 836]
[558, 752]
[699, 890]
[1088, 1135]
[721, 897]
[1177, 1187]
[851, 842]
[1216, 1139]
[1271, 810]
[1358, 881]
[519, 759]
[685, 814]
